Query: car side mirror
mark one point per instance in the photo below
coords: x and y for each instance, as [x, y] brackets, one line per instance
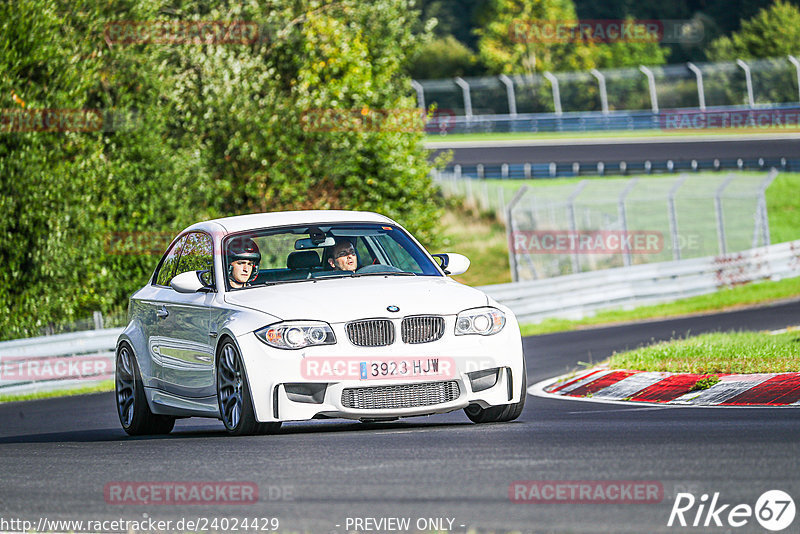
[188, 282]
[452, 263]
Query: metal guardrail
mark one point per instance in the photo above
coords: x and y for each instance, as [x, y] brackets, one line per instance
[64, 361]
[672, 120]
[519, 171]
[580, 295]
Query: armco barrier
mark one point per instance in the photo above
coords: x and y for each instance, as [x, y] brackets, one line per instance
[579, 295]
[83, 358]
[62, 361]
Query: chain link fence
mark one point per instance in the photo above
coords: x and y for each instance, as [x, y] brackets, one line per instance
[560, 229]
[618, 97]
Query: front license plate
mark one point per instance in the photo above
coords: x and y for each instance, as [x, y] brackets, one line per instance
[402, 368]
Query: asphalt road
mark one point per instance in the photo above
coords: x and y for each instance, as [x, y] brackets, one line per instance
[58, 455]
[630, 150]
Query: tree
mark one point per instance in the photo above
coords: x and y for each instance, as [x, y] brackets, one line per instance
[220, 130]
[511, 40]
[444, 57]
[773, 32]
[544, 35]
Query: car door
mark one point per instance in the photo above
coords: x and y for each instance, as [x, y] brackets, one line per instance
[184, 346]
[152, 308]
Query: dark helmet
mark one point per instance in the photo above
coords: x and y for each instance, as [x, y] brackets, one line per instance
[243, 248]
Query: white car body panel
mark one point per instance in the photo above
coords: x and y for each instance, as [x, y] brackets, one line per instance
[178, 368]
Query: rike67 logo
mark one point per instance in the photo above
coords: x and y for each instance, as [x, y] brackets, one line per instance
[774, 510]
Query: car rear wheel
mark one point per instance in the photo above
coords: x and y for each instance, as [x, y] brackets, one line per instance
[502, 413]
[235, 403]
[134, 413]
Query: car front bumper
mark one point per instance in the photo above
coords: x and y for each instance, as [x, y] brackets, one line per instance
[282, 389]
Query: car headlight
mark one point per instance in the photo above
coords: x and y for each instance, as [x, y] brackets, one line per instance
[482, 321]
[296, 334]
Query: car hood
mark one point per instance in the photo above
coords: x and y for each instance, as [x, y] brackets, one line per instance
[345, 299]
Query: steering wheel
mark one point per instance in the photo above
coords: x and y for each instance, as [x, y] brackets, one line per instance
[379, 268]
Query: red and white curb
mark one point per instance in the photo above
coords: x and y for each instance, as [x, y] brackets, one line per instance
[672, 389]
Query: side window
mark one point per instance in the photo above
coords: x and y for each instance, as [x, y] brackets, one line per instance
[197, 255]
[168, 264]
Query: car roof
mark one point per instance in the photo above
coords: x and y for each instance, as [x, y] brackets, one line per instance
[240, 223]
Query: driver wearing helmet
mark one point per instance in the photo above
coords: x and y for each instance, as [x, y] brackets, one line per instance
[243, 260]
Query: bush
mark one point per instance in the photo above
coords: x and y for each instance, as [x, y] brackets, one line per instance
[219, 131]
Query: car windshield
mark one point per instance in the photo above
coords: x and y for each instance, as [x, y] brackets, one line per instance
[303, 253]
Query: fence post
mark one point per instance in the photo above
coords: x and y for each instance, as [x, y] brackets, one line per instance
[723, 248]
[794, 61]
[701, 93]
[420, 93]
[512, 255]
[467, 97]
[762, 207]
[573, 224]
[673, 216]
[501, 203]
[556, 91]
[601, 83]
[98, 320]
[623, 216]
[651, 82]
[512, 98]
[749, 81]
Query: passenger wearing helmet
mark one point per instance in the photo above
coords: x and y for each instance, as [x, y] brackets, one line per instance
[243, 260]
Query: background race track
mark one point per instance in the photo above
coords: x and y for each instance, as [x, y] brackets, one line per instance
[57, 455]
[623, 149]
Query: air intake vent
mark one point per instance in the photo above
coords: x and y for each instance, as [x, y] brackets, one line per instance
[371, 332]
[422, 329]
[402, 396]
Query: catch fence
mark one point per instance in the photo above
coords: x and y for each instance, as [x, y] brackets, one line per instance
[594, 224]
[723, 93]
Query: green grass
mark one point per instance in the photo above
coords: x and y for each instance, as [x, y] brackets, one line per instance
[724, 299]
[783, 207]
[106, 385]
[483, 241]
[541, 136]
[718, 353]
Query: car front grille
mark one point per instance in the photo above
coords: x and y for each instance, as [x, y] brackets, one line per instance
[371, 332]
[422, 329]
[402, 396]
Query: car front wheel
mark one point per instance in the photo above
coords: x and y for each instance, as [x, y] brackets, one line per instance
[233, 393]
[134, 413]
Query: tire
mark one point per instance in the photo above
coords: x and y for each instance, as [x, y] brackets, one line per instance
[502, 413]
[134, 413]
[233, 394]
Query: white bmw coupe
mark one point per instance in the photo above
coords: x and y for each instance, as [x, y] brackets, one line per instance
[291, 316]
